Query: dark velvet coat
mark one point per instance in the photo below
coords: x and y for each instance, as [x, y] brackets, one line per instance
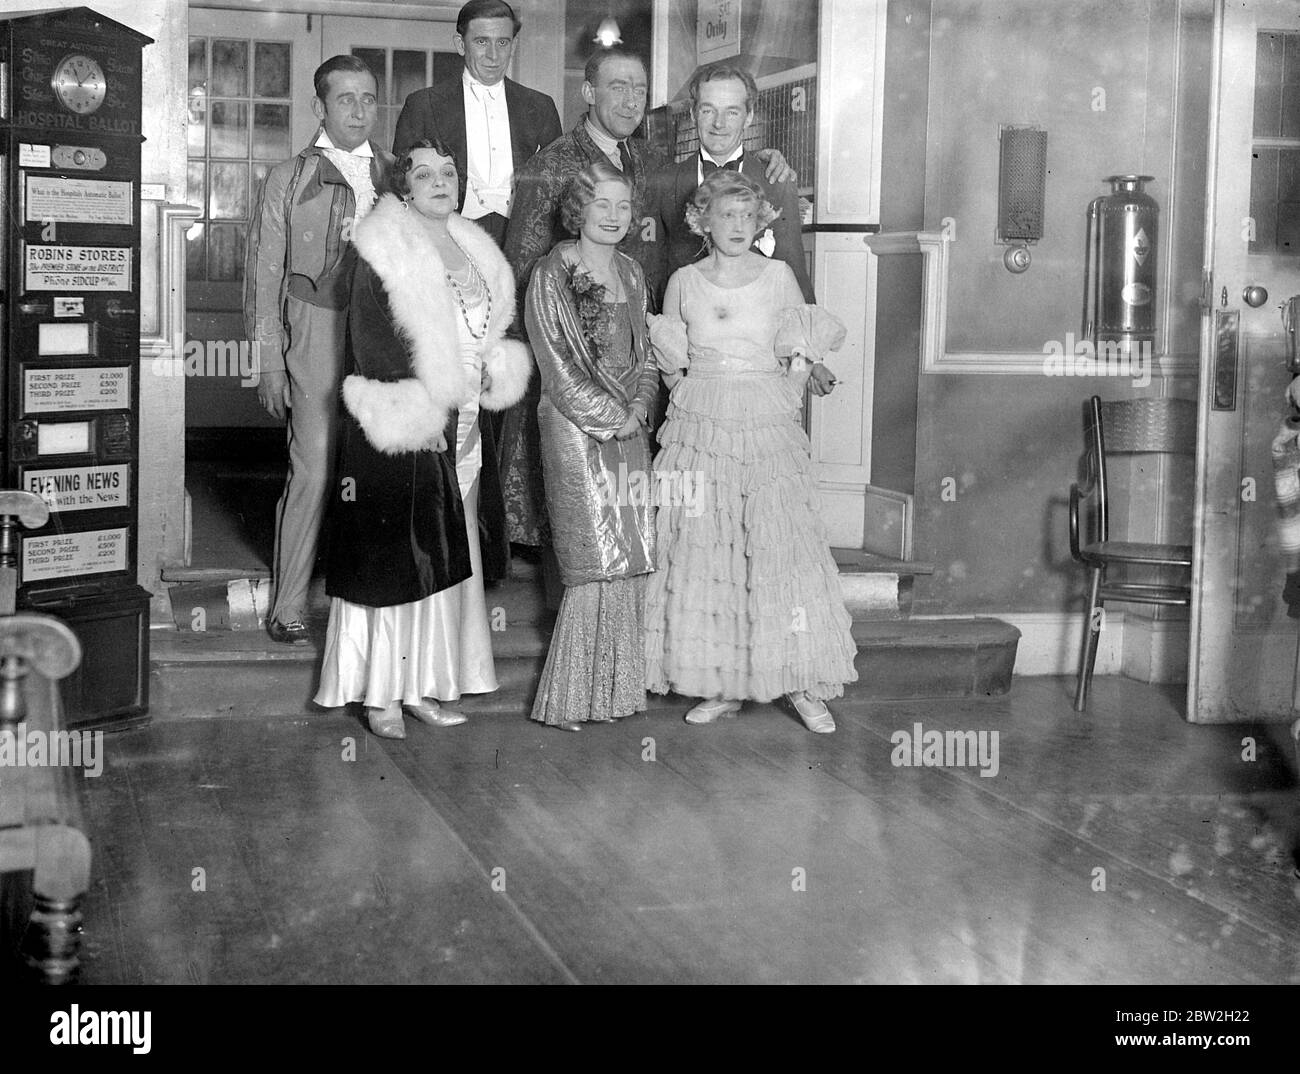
[397, 524]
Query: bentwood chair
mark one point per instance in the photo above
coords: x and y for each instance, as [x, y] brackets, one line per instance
[1133, 425]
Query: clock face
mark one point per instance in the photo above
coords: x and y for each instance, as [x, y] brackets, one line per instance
[78, 83]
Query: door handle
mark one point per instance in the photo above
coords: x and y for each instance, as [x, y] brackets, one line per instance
[1254, 296]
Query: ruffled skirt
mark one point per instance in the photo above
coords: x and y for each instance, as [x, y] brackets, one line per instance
[745, 603]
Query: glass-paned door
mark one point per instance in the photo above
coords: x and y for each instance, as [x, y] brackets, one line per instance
[405, 55]
[248, 97]
[1244, 644]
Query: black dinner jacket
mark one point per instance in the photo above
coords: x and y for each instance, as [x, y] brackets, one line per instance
[678, 183]
[438, 113]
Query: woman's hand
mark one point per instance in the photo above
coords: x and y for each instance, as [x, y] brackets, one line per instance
[439, 444]
[821, 380]
[630, 427]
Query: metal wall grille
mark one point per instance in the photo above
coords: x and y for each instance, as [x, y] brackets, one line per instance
[1022, 183]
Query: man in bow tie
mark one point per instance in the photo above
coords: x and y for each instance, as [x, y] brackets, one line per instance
[492, 123]
[722, 101]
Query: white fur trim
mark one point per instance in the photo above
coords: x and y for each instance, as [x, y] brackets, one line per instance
[510, 365]
[395, 242]
[395, 414]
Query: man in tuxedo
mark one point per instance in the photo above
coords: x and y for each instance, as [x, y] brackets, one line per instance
[492, 123]
[722, 101]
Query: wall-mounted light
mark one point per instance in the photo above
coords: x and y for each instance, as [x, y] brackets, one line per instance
[608, 36]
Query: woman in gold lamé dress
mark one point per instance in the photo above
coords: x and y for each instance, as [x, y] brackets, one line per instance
[586, 317]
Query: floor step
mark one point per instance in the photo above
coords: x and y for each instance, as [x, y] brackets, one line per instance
[919, 658]
[877, 587]
[209, 673]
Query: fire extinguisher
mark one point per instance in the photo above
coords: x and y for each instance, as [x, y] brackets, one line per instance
[1120, 265]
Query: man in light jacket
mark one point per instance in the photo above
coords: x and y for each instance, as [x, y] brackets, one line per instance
[297, 281]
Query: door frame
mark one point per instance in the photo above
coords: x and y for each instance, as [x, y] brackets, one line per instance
[1218, 533]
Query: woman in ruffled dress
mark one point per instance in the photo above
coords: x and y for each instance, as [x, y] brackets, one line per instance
[431, 300]
[586, 318]
[745, 603]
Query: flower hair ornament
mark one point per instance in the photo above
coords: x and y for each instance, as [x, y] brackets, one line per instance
[764, 240]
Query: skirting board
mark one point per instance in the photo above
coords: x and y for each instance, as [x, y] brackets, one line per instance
[1138, 647]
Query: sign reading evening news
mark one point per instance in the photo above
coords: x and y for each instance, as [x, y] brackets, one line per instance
[78, 201]
[717, 30]
[48, 267]
[81, 488]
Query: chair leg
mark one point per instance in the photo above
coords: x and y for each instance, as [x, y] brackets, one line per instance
[1091, 630]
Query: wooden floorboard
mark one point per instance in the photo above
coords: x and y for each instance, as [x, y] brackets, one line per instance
[749, 850]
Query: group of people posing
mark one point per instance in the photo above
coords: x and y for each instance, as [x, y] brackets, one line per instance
[408, 300]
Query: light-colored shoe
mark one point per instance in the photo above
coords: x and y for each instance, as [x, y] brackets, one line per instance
[568, 725]
[386, 723]
[815, 715]
[708, 711]
[430, 712]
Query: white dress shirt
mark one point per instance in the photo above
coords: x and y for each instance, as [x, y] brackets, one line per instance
[355, 166]
[490, 170]
[606, 144]
[735, 154]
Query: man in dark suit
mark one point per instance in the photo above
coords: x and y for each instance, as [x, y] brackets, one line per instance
[722, 101]
[492, 124]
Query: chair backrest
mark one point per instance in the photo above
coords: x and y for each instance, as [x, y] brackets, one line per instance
[1165, 425]
[1133, 425]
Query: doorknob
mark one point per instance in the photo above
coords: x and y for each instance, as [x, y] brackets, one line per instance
[1255, 296]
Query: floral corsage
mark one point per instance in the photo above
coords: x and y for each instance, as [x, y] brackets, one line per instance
[595, 316]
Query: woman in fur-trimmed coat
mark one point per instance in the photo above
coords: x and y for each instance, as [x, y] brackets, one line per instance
[431, 300]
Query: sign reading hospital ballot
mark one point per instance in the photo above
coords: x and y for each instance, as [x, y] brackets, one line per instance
[63, 555]
[81, 488]
[48, 267]
[47, 391]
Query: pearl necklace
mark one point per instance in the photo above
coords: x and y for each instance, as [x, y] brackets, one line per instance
[478, 290]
